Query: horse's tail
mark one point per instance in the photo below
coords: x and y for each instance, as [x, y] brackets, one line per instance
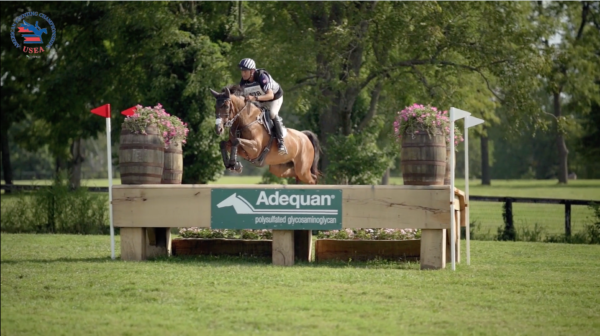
[314, 169]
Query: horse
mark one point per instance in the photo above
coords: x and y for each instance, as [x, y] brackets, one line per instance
[250, 137]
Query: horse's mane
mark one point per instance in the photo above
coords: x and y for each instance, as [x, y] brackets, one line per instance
[235, 89]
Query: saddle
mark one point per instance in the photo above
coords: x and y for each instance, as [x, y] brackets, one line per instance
[267, 122]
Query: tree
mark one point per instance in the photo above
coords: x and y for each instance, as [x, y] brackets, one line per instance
[333, 52]
[125, 54]
[18, 81]
[575, 64]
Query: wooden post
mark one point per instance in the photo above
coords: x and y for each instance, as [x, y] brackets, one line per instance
[133, 244]
[303, 245]
[433, 249]
[567, 218]
[509, 226]
[457, 241]
[283, 247]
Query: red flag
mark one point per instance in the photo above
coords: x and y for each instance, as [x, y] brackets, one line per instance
[129, 112]
[103, 111]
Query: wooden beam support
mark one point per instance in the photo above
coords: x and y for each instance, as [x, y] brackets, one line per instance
[433, 249]
[283, 247]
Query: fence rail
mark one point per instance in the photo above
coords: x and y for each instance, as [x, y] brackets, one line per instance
[508, 201]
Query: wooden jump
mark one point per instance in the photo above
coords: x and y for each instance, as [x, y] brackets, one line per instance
[146, 212]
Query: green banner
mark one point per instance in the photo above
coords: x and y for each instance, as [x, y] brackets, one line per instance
[280, 209]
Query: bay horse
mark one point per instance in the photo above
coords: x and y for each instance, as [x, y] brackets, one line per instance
[251, 138]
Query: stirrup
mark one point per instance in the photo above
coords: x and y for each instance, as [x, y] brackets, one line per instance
[282, 150]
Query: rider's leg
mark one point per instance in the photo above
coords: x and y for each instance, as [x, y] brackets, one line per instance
[274, 108]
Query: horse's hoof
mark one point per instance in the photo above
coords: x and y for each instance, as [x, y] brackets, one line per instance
[238, 167]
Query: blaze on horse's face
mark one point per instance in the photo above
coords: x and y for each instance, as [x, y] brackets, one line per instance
[223, 109]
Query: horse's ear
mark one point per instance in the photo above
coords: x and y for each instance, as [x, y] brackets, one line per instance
[227, 93]
[215, 93]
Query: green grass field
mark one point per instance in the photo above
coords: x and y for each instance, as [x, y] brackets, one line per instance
[67, 285]
[488, 215]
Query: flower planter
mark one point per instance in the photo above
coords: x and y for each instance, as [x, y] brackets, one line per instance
[362, 250]
[221, 246]
[173, 166]
[141, 157]
[423, 158]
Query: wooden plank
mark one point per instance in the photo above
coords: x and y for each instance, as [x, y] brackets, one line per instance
[275, 186]
[424, 207]
[133, 244]
[396, 208]
[433, 249]
[303, 245]
[283, 247]
[462, 204]
[142, 206]
[362, 250]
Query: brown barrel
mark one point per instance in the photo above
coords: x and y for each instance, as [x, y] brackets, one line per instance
[173, 167]
[423, 158]
[141, 157]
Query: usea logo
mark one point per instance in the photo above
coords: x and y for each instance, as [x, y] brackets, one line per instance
[33, 31]
[301, 209]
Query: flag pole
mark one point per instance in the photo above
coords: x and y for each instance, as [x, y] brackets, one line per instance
[469, 122]
[110, 184]
[455, 114]
[452, 224]
[466, 214]
[104, 111]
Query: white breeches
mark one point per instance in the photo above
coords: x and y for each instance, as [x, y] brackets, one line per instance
[273, 106]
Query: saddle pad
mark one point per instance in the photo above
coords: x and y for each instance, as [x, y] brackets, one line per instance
[269, 124]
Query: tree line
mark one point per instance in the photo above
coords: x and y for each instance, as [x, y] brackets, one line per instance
[530, 69]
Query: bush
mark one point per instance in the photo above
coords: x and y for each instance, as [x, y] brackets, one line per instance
[56, 209]
[357, 158]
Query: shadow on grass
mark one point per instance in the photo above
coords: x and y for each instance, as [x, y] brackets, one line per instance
[262, 261]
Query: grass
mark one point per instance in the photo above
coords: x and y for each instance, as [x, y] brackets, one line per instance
[61, 284]
[487, 214]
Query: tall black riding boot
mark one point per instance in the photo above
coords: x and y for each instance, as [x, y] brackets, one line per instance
[278, 126]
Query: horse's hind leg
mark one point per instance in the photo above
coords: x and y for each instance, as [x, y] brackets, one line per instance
[302, 168]
[283, 170]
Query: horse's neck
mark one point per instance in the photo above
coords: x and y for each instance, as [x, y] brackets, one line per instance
[249, 113]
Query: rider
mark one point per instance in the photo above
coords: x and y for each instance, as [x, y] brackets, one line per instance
[259, 86]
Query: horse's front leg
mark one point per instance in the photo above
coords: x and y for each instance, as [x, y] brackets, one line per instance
[234, 164]
[224, 147]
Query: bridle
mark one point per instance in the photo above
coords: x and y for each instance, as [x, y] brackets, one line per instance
[230, 122]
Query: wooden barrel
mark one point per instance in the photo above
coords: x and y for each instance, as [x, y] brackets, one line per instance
[423, 158]
[141, 157]
[173, 167]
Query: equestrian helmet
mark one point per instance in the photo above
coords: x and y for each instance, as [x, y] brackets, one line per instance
[247, 64]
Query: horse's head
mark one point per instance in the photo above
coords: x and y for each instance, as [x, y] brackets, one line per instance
[225, 108]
